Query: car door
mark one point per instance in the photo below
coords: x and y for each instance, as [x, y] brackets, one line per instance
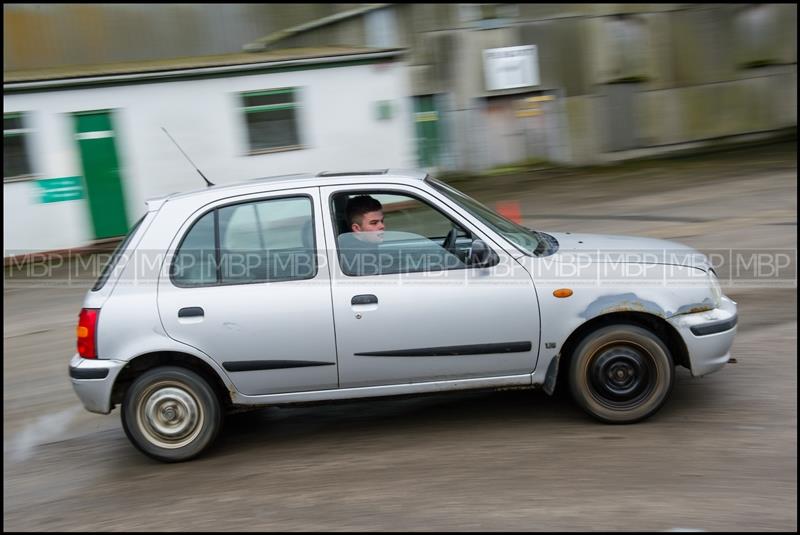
[246, 288]
[424, 322]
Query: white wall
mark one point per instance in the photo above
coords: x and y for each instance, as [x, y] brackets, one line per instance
[30, 227]
[338, 126]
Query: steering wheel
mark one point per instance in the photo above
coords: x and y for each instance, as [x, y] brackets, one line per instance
[450, 240]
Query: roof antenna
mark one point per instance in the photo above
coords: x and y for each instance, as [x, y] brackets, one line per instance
[187, 157]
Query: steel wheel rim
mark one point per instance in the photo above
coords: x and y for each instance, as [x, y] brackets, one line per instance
[622, 374]
[169, 415]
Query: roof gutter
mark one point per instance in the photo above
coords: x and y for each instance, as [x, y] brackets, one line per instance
[178, 73]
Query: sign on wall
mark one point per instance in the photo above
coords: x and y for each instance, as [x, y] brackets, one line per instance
[510, 67]
[383, 110]
[68, 188]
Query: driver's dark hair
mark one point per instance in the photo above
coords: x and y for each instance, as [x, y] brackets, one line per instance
[358, 206]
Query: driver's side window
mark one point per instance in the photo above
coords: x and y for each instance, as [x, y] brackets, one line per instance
[381, 233]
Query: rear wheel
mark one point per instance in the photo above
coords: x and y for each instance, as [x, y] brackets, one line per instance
[621, 374]
[171, 414]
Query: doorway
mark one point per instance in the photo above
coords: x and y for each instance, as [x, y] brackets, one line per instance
[94, 133]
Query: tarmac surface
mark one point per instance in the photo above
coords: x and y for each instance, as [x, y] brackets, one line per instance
[721, 455]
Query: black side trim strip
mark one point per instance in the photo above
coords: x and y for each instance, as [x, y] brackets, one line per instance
[254, 365]
[88, 373]
[453, 351]
[716, 327]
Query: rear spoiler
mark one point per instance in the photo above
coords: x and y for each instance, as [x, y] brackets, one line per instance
[155, 204]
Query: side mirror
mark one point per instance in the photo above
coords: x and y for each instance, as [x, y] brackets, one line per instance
[481, 255]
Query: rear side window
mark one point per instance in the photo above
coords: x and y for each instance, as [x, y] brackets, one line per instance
[115, 256]
[262, 241]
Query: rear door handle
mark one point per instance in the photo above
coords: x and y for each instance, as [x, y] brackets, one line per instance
[366, 299]
[190, 312]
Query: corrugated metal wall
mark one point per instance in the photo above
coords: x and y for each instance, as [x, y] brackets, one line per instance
[39, 36]
[698, 70]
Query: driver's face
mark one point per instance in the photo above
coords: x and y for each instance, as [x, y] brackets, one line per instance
[372, 225]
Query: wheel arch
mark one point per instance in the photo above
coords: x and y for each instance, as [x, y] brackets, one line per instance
[148, 361]
[653, 323]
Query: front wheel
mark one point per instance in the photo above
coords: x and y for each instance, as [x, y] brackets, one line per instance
[621, 374]
[171, 414]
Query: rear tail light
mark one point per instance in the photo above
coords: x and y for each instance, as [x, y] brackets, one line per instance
[87, 333]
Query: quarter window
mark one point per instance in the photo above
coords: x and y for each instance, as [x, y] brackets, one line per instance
[16, 160]
[271, 119]
[115, 256]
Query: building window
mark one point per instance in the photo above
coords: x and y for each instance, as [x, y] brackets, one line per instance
[757, 42]
[271, 118]
[16, 160]
[482, 13]
[629, 46]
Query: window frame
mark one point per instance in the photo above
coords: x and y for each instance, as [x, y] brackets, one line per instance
[24, 132]
[215, 209]
[382, 190]
[245, 109]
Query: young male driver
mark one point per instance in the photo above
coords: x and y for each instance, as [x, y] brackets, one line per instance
[365, 218]
[359, 247]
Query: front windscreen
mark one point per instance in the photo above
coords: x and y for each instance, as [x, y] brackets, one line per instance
[525, 239]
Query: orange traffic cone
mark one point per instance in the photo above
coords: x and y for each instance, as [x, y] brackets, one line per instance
[509, 210]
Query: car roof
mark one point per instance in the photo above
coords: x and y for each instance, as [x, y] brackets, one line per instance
[297, 180]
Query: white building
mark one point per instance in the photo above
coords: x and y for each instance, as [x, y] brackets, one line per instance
[84, 148]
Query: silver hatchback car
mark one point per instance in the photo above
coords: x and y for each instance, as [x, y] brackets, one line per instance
[379, 283]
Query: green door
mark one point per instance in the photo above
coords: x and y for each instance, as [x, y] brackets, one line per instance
[95, 136]
[427, 120]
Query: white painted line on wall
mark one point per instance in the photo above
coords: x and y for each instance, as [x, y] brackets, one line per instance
[94, 135]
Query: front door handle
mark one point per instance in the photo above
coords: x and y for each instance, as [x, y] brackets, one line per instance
[366, 299]
[190, 312]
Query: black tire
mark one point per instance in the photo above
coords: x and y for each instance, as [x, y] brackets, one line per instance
[171, 414]
[621, 374]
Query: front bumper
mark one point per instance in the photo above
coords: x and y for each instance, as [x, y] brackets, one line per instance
[708, 336]
[93, 380]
